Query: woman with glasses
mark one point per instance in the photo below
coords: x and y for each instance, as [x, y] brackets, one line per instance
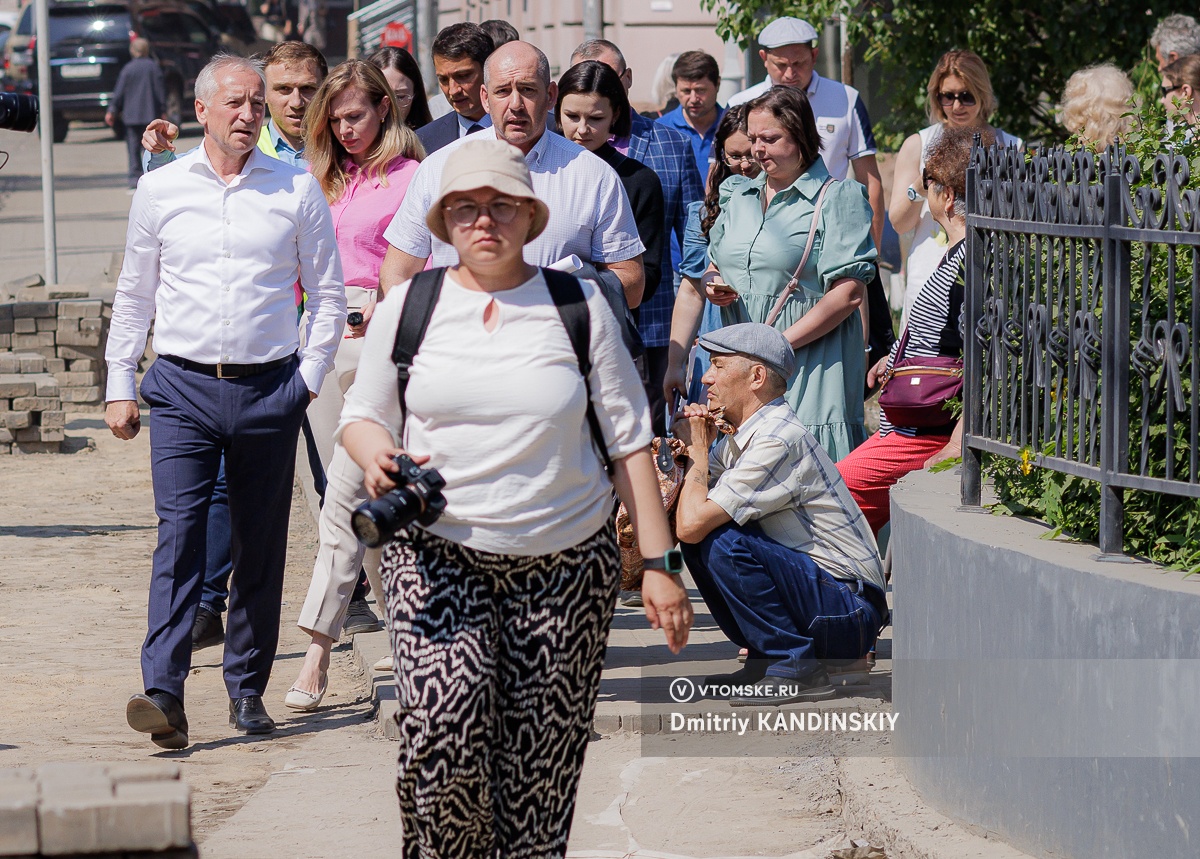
[774, 262]
[1180, 85]
[593, 107]
[364, 156]
[959, 96]
[731, 157]
[498, 611]
[404, 76]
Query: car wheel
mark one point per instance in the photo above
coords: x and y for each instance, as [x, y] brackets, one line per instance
[60, 124]
[175, 105]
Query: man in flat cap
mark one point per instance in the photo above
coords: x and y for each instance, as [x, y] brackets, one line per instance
[780, 552]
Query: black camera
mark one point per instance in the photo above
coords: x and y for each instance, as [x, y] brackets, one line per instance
[18, 112]
[416, 498]
[354, 318]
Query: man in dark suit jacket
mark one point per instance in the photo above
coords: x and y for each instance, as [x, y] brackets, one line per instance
[459, 52]
[669, 154]
[138, 98]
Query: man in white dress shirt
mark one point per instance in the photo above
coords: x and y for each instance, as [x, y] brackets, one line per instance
[215, 245]
[590, 215]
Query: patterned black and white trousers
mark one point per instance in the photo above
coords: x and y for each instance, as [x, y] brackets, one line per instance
[498, 661]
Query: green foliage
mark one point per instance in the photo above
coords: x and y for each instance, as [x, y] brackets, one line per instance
[1162, 527]
[1030, 48]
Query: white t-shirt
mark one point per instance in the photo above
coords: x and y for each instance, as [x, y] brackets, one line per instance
[501, 414]
[842, 121]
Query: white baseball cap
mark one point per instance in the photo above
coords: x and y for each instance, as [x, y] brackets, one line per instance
[787, 31]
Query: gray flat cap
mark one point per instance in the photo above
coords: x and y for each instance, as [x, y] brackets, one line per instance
[787, 31]
[754, 340]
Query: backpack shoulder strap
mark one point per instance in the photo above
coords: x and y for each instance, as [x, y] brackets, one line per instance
[422, 298]
[568, 297]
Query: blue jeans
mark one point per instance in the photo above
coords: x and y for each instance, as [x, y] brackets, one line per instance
[779, 603]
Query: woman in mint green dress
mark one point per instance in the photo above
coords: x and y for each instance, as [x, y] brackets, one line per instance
[757, 243]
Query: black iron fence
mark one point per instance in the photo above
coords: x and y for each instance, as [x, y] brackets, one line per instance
[1080, 328]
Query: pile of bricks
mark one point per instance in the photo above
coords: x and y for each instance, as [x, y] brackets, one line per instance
[32, 419]
[115, 810]
[51, 362]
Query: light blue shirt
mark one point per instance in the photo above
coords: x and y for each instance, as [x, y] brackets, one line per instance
[464, 124]
[283, 151]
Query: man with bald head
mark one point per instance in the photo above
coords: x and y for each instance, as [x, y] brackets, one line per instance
[590, 215]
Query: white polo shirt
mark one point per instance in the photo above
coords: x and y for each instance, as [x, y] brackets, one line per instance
[842, 121]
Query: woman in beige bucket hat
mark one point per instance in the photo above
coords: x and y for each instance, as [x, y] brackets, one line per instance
[499, 610]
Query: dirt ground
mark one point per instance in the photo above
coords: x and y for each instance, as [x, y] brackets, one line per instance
[76, 536]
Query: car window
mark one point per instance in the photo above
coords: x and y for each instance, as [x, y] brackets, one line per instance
[197, 32]
[87, 26]
[25, 25]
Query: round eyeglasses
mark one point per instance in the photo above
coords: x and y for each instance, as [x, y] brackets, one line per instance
[501, 211]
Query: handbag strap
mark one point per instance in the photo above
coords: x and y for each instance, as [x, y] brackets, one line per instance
[812, 238]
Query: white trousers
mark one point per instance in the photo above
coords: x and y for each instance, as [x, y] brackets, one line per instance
[340, 554]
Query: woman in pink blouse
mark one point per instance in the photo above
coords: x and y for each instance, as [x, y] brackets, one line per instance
[364, 156]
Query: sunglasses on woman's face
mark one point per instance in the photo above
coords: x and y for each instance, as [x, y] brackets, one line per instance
[1167, 90]
[965, 98]
[927, 180]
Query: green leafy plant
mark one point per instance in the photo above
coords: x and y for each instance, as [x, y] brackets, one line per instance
[1162, 527]
[1030, 48]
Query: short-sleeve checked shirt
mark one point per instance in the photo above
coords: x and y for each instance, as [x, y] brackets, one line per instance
[773, 472]
[590, 215]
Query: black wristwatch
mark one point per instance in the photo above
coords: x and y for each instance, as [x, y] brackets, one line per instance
[671, 562]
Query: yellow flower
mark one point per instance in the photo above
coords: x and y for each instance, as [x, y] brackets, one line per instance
[1026, 461]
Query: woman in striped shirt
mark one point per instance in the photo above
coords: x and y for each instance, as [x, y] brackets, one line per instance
[873, 468]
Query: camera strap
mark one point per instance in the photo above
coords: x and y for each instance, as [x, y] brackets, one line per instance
[567, 293]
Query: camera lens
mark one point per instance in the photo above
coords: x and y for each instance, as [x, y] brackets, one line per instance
[18, 112]
[377, 521]
[354, 318]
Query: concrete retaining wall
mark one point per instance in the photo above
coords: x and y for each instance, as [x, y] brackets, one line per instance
[1044, 695]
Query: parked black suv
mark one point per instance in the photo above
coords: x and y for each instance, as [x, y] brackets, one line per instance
[89, 44]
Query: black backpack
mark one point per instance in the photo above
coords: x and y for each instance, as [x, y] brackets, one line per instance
[565, 289]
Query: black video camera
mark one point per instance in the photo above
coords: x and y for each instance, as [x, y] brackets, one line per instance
[18, 112]
[416, 498]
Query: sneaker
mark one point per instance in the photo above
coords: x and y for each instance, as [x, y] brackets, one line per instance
[749, 674]
[849, 672]
[207, 630]
[777, 691]
[631, 599]
[360, 618]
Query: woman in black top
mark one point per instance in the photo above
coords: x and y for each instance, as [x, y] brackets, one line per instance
[592, 108]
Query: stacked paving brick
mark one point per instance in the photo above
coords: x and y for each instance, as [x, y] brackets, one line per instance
[120, 810]
[51, 362]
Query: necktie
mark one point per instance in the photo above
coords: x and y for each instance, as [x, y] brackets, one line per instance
[475, 126]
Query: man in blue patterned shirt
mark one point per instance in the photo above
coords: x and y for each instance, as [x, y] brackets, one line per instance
[780, 552]
[669, 154]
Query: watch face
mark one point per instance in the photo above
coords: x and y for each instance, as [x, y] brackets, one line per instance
[912, 193]
[673, 560]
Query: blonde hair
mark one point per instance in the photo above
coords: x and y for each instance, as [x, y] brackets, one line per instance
[326, 156]
[968, 66]
[1096, 104]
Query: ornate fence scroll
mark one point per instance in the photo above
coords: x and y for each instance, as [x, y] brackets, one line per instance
[1080, 328]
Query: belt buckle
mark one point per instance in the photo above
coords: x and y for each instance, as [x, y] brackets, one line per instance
[220, 371]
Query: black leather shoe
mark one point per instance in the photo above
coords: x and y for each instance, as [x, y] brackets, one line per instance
[159, 714]
[207, 630]
[249, 716]
[753, 671]
[775, 691]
